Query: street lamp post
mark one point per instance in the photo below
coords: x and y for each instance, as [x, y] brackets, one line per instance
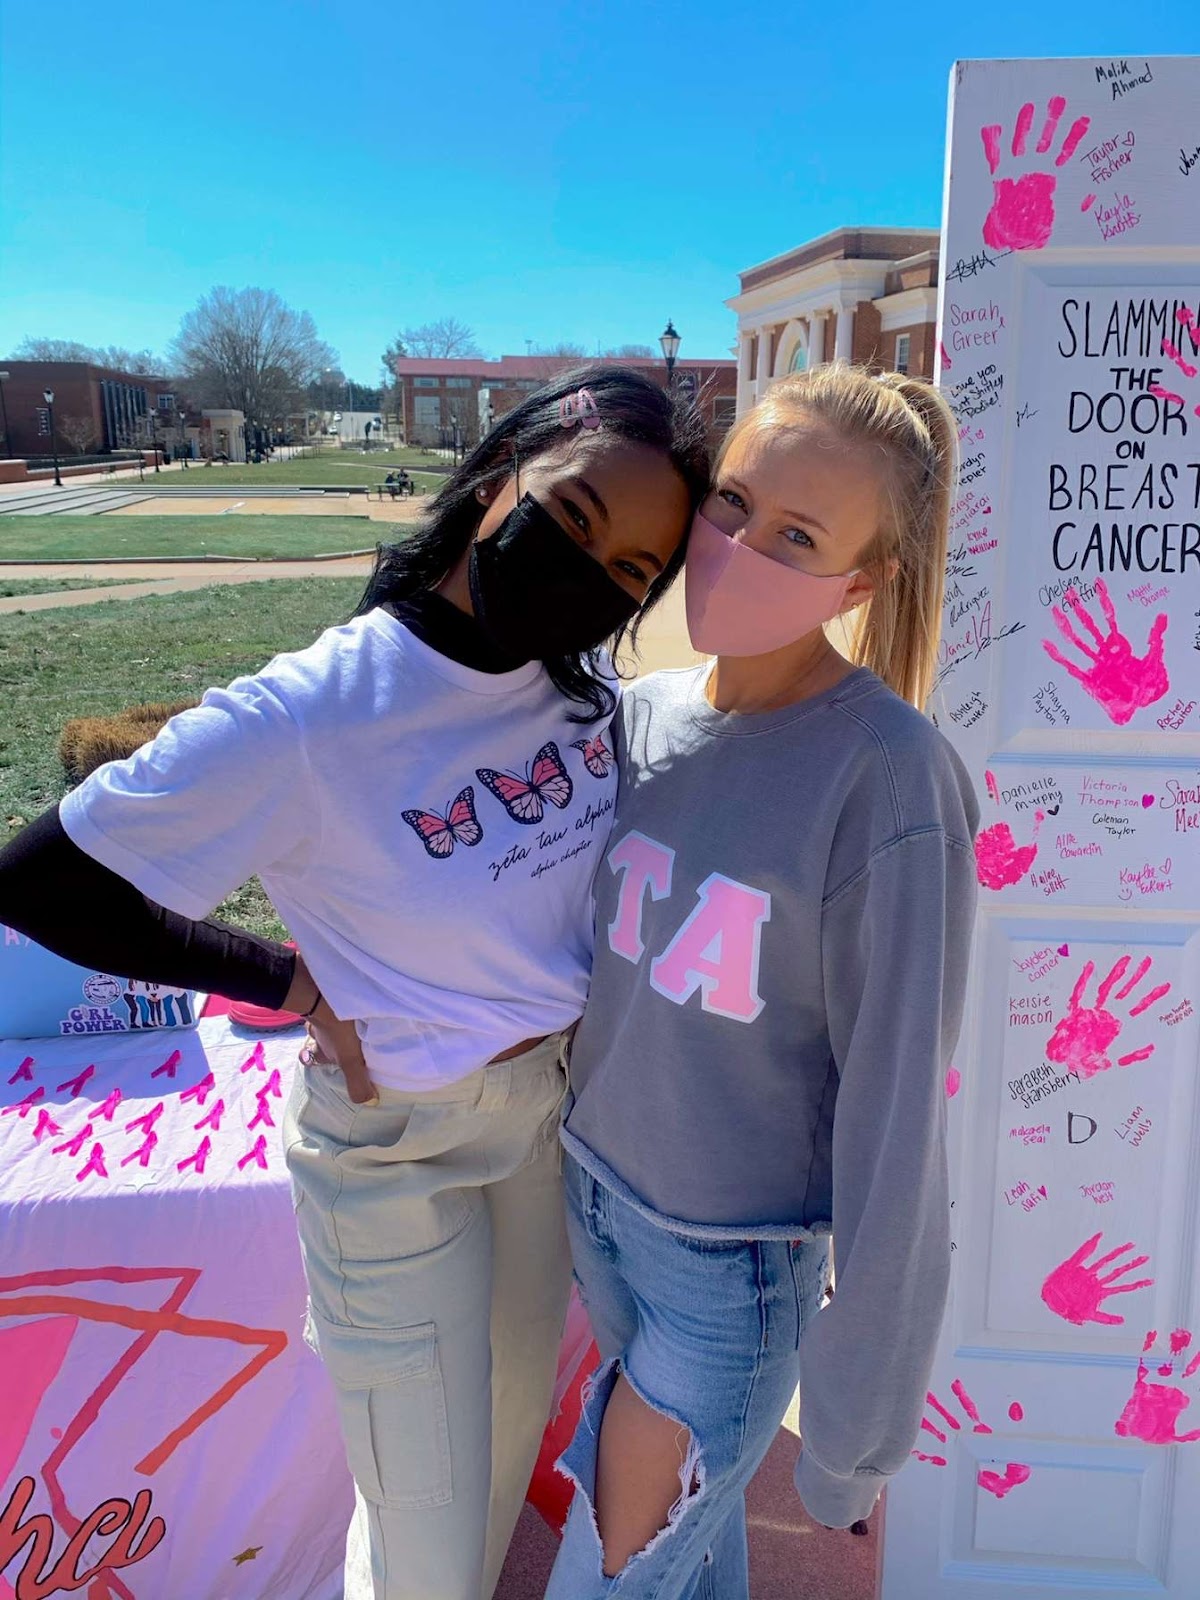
[182, 415]
[4, 413]
[669, 340]
[48, 397]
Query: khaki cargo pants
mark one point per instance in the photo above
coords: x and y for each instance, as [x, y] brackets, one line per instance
[434, 1244]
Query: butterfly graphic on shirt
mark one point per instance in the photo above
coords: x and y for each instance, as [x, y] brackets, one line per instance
[524, 798]
[597, 757]
[440, 834]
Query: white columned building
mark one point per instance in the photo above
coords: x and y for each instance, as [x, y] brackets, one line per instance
[745, 372]
[878, 288]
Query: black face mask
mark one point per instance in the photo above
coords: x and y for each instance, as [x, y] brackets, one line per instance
[536, 594]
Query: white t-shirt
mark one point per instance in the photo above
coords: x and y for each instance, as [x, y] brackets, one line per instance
[428, 833]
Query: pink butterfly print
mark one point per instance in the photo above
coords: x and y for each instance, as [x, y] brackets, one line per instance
[597, 757]
[440, 834]
[523, 797]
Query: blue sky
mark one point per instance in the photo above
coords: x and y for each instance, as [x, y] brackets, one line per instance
[543, 171]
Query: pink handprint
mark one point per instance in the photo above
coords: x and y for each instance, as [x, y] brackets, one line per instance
[1117, 680]
[1015, 1472]
[958, 1389]
[1186, 318]
[1153, 1409]
[1022, 214]
[999, 860]
[1081, 1038]
[1075, 1291]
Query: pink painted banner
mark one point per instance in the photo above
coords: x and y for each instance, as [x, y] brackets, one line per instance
[164, 1431]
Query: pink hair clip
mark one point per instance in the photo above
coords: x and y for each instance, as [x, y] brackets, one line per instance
[579, 410]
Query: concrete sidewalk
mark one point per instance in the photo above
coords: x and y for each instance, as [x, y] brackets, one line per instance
[120, 479]
[169, 577]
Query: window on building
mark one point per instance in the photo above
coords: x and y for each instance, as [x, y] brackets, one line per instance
[724, 409]
[426, 383]
[460, 383]
[427, 411]
[903, 346]
[166, 402]
[799, 359]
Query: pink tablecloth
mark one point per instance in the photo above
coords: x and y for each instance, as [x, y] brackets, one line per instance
[160, 1415]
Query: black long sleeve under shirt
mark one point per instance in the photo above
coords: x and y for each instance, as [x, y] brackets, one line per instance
[56, 894]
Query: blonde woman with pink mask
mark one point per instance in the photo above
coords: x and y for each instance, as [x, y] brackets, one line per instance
[783, 920]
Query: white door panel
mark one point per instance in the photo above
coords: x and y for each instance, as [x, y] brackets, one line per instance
[1057, 1454]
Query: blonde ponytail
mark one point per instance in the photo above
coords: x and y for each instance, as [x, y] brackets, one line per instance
[896, 631]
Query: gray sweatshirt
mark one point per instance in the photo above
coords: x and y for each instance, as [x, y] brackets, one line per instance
[783, 923]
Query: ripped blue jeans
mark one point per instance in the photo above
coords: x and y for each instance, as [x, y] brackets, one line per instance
[706, 1332]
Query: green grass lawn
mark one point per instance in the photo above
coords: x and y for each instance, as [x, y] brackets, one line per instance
[97, 538]
[400, 456]
[347, 467]
[10, 588]
[101, 659]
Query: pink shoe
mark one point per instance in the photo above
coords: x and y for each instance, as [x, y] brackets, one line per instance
[261, 1019]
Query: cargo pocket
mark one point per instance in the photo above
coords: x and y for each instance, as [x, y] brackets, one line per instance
[392, 1406]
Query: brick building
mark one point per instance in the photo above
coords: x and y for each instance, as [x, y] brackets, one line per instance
[119, 406]
[867, 295]
[434, 396]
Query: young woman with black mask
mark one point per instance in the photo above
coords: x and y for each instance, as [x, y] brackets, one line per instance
[425, 793]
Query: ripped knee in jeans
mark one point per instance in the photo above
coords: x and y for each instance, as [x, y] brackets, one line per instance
[637, 1467]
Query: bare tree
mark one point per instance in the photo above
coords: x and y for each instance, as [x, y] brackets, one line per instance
[461, 408]
[79, 430]
[143, 363]
[246, 349]
[447, 339]
[115, 356]
[549, 360]
[623, 352]
[35, 349]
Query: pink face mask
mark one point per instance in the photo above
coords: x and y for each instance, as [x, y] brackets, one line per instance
[741, 603]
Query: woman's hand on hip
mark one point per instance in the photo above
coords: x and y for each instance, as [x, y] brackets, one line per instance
[334, 1043]
[331, 1042]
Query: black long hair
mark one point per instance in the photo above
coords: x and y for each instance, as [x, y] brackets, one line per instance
[632, 407]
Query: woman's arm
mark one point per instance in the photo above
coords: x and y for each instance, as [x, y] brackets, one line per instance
[895, 945]
[225, 791]
[58, 895]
